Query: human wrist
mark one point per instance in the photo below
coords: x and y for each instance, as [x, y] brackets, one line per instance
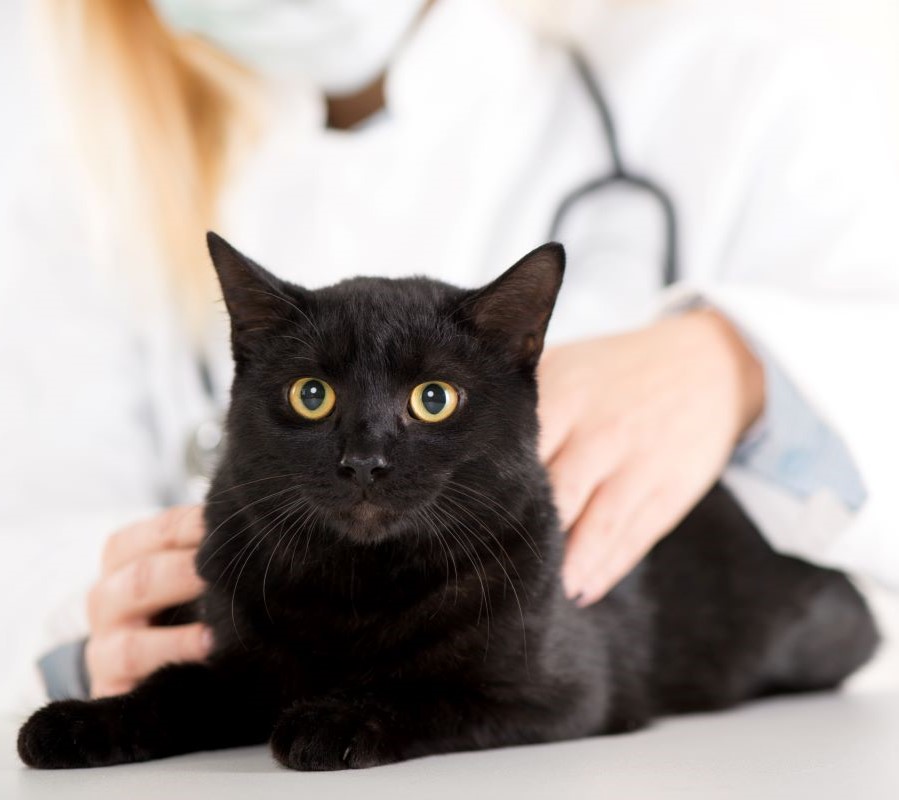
[731, 360]
[745, 368]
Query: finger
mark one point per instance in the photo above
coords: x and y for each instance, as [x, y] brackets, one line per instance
[111, 688]
[554, 429]
[128, 655]
[595, 533]
[624, 554]
[143, 587]
[179, 526]
[651, 521]
[554, 425]
[584, 462]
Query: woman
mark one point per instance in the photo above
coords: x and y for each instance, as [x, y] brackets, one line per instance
[328, 139]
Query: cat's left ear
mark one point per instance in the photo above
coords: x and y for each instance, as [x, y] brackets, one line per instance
[515, 309]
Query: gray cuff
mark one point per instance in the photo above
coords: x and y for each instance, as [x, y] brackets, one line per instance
[65, 673]
[794, 448]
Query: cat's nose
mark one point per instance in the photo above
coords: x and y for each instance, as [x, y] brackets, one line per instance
[364, 470]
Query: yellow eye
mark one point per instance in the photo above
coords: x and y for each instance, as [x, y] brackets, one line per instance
[312, 398]
[433, 401]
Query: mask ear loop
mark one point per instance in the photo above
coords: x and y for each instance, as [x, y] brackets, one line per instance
[619, 174]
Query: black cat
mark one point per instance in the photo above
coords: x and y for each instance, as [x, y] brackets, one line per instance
[383, 555]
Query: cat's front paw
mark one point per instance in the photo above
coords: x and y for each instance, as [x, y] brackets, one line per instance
[333, 735]
[65, 735]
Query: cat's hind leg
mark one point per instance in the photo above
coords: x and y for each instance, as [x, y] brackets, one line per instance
[179, 709]
[827, 634]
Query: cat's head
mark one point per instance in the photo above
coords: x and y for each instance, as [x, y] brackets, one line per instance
[376, 407]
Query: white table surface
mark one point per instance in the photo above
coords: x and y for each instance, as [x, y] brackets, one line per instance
[824, 746]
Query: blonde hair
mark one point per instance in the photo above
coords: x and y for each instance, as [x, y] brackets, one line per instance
[160, 119]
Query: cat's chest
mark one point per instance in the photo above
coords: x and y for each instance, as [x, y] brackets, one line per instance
[313, 639]
[308, 620]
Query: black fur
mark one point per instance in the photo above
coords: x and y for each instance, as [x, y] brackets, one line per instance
[424, 613]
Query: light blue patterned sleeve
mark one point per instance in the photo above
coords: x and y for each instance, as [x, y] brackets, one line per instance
[64, 672]
[794, 448]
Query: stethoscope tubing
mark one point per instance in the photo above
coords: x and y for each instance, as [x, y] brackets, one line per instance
[619, 174]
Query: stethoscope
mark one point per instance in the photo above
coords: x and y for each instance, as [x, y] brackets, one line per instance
[618, 174]
[204, 444]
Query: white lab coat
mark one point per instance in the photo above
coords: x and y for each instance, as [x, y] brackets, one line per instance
[786, 189]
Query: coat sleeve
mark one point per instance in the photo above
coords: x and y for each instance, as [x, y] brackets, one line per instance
[793, 233]
[78, 457]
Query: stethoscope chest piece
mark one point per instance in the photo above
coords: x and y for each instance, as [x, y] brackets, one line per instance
[203, 452]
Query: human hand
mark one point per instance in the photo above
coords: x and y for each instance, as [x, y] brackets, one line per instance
[635, 429]
[146, 567]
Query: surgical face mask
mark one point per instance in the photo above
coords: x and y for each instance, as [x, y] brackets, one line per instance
[341, 46]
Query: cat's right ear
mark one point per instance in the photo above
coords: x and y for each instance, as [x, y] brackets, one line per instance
[255, 298]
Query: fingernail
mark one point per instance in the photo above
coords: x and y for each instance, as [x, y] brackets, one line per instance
[206, 640]
[594, 592]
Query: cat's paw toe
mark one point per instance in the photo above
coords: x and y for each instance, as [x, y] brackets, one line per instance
[61, 735]
[67, 735]
[371, 746]
[315, 738]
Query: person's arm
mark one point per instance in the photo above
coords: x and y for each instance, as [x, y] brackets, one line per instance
[791, 239]
[634, 430]
[811, 279]
[79, 459]
[86, 550]
[62, 499]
